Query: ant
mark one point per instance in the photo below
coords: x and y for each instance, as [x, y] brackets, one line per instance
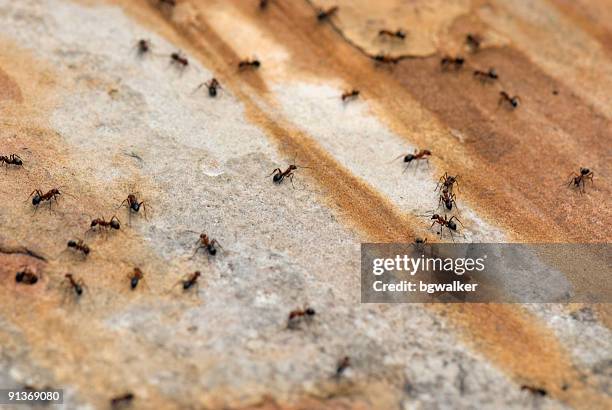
[349, 95]
[323, 15]
[26, 276]
[486, 76]
[538, 391]
[579, 179]
[79, 245]
[445, 223]
[386, 59]
[245, 64]
[136, 276]
[114, 223]
[179, 60]
[420, 241]
[279, 175]
[447, 62]
[448, 199]
[513, 102]
[191, 280]
[473, 41]
[76, 284]
[38, 196]
[204, 242]
[422, 154]
[263, 4]
[400, 34]
[343, 364]
[446, 182]
[212, 86]
[122, 401]
[12, 159]
[133, 205]
[295, 316]
[144, 46]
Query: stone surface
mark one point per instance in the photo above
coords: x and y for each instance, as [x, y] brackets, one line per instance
[90, 116]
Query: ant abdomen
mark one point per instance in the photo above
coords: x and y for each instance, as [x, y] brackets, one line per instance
[277, 178]
[408, 158]
[211, 249]
[134, 282]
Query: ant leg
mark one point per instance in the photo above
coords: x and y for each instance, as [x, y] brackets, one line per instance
[274, 172]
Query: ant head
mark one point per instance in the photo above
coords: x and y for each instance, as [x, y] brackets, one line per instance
[293, 167]
[584, 171]
[408, 158]
[196, 274]
[435, 216]
[310, 312]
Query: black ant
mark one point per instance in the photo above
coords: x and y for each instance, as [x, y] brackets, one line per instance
[212, 86]
[580, 179]
[386, 59]
[12, 159]
[136, 276]
[323, 15]
[397, 34]
[131, 202]
[122, 401]
[114, 223]
[343, 364]
[38, 196]
[448, 199]
[446, 182]
[179, 60]
[191, 280]
[245, 64]
[26, 276]
[448, 62]
[349, 95]
[144, 46]
[295, 316]
[279, 175]
[445, 223]
[512, 102]
[486, 76]
[76, 284]
[79, 245]
[204, 242]
[473, 41]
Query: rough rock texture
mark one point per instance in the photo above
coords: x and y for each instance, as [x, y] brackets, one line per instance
[90, 116]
